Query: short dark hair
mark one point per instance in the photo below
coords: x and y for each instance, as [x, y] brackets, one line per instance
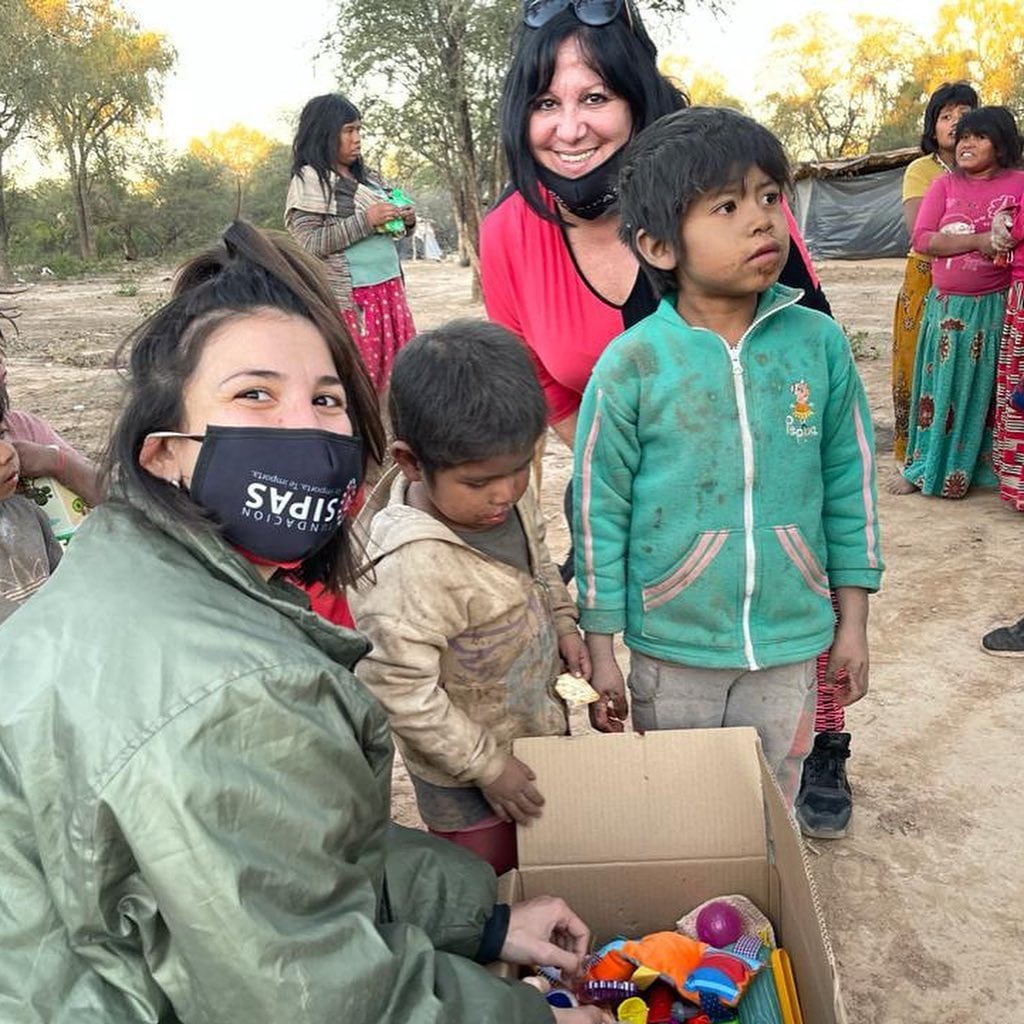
[465, 391]
[949, 94]
[246, 271]
[679, 158]
[997, 124]
[316, 138]
[621, 52]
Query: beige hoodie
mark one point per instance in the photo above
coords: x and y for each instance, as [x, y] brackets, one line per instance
[465, 647]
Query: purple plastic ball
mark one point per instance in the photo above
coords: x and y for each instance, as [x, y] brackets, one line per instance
[719, 924]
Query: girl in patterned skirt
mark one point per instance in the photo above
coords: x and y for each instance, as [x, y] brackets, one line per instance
[950, 432]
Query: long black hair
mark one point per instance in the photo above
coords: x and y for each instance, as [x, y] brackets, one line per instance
[997, 124]
[621, 52]
[316, 138]
[949, 94]
[247, 270]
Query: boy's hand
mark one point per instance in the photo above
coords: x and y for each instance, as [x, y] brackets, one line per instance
[609, 714]
[575, 656]
[850, 652]
[513, 795]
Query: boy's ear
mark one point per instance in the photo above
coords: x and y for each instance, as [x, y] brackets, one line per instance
[407, 461]
[659, 254]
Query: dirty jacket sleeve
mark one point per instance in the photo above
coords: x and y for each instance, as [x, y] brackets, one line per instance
[607, 455]
[254, 901]
[563, 608]
[850, 506]
[409, 622]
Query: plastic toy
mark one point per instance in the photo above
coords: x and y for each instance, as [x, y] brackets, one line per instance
[785, 987]
[719, 924]
[396, 226]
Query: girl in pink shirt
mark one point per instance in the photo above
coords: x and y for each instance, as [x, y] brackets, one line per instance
[950, 432]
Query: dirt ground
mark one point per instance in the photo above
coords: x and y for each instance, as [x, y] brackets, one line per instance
[925, 897]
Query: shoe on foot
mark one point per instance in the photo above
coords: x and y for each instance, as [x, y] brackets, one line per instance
[1005, 642]
[825, 803]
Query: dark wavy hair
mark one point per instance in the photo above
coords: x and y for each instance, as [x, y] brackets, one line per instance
[465, 391]
[316, 138]
[679, 158]
[997, 124]
[246, 271]
[949, 94]
[621, 52]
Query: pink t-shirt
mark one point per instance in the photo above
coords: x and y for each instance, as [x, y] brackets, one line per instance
[24, 426]
[958, 205]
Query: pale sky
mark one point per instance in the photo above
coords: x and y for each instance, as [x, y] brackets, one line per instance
[256, 63]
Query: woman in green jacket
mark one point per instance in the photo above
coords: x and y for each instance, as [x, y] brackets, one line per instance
[194, 789]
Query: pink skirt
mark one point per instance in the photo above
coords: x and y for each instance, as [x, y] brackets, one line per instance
[380, 325]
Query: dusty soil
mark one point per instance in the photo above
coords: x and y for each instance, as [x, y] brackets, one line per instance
[925, 897]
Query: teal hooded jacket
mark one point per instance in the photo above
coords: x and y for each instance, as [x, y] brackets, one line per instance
[194, 809]
[720, 491]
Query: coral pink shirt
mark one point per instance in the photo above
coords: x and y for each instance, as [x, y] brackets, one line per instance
[532, 286]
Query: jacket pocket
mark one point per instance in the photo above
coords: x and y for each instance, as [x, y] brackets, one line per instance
[697, 603]
[792, 596]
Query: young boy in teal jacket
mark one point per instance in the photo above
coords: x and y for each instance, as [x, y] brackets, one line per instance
[724, 469]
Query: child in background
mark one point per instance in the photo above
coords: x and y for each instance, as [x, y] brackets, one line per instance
[949, 446]
[724, 459]
[469, 618]
[29, 552]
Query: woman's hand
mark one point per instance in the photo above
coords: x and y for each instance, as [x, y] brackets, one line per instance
[512, 795]
[380, 213]
[408, 214]
[583, 1015]
[546, 931]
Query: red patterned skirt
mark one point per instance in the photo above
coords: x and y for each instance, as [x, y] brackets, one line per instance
[380, 325]
[1008, 442]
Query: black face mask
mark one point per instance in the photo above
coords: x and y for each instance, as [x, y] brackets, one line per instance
[590, 196]
[278, 494]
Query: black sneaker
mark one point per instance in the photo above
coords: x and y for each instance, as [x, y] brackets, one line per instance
[1005, 642]
[824, 803]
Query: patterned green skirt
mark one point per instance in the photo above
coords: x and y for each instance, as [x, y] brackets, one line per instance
[949, 447]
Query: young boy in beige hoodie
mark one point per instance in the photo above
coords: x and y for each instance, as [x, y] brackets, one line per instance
[470, 621]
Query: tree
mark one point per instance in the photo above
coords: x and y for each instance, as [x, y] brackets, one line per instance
[843, 83]
[705, 87]
[441, 63]
[981, 41]
[104, 75]
[21, 85]
[238, 151]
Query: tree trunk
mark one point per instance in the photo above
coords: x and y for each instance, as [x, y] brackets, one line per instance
[79, 196]
[6, 271]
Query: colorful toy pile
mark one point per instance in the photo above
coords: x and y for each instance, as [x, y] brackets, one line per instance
[727, 970]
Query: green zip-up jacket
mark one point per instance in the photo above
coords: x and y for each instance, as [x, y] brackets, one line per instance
[194, 804]
[721, 490]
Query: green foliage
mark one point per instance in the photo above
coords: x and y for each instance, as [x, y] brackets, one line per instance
[844, 81]
[103, 78]
[268, 185]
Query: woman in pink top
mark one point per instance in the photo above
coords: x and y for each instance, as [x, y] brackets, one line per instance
[949, 446]
[583, 80]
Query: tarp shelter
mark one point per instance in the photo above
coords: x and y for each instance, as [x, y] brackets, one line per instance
[852, 209]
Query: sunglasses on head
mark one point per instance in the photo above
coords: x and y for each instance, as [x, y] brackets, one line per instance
[589, 12]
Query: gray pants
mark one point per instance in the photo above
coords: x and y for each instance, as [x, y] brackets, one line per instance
[778, 702]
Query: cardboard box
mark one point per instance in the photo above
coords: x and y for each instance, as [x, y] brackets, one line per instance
[63, 508]
[639, 829]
